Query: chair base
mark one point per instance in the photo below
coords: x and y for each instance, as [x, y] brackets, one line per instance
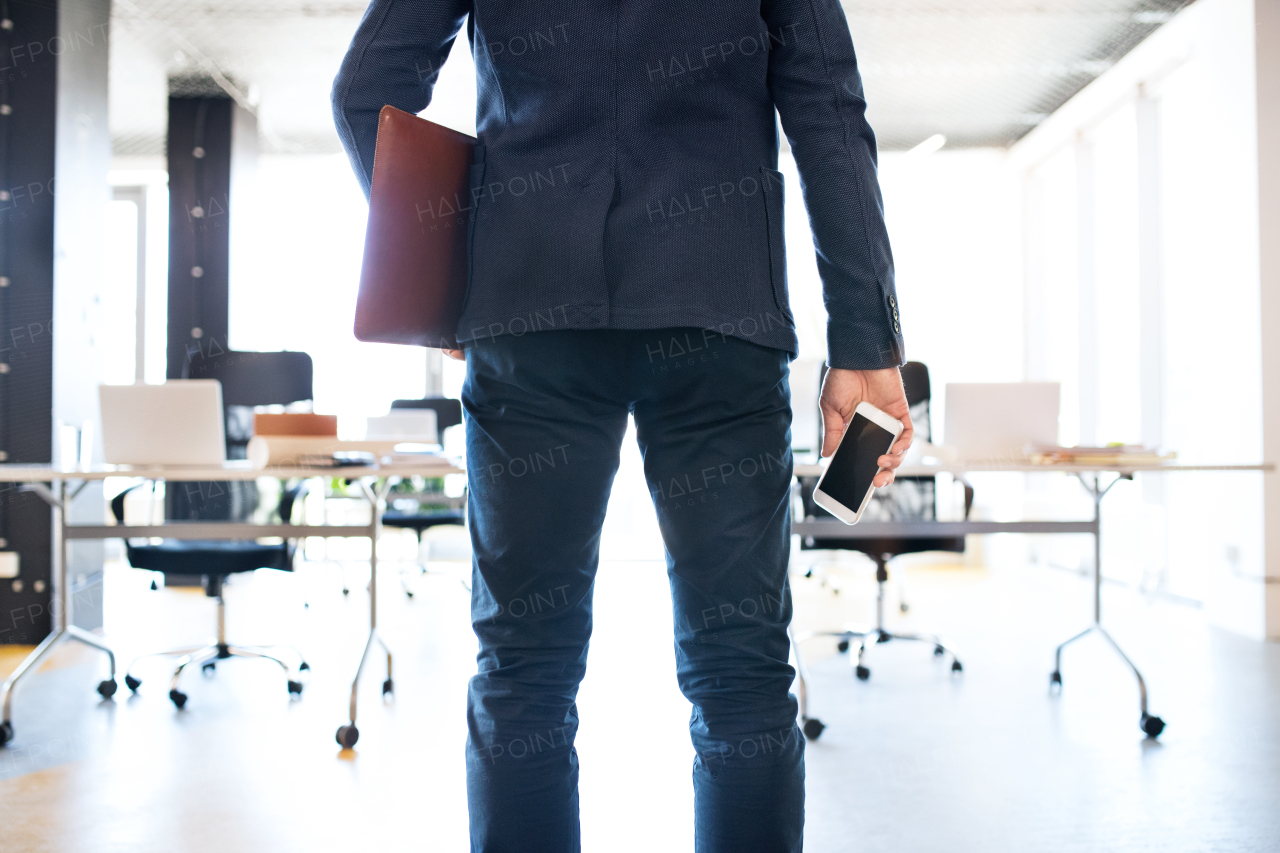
[874, 636]
[867, 637]
[426, 570]
[206, 657]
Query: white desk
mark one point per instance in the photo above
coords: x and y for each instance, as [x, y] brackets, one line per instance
[52, 485]
[1090, 476]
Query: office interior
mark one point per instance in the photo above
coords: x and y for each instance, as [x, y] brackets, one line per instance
[1079, 193]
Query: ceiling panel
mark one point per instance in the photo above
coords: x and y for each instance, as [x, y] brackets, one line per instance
[984, 72]
[981, 72]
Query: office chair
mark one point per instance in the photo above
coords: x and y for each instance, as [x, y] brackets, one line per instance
[248, 379]
[906, 499]
[252, 379]
[448, 411]
[448, 414]
[215, 561]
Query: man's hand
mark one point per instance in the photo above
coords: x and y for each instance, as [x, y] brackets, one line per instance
[454, 354]
[843, 390]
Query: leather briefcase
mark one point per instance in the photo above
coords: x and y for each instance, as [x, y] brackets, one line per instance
[413, 279]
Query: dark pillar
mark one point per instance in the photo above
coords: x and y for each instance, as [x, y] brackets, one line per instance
[28, 95]
[199, 152]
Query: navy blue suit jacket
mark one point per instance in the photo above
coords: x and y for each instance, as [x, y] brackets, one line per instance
[626, 173]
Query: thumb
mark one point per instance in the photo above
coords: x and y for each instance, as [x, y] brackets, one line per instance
[832, 429]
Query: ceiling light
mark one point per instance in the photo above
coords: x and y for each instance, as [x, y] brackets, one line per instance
[930, 145]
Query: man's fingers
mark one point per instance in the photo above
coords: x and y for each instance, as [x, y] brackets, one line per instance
[455, 354]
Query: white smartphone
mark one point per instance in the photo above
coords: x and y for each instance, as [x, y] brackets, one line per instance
[845, 488]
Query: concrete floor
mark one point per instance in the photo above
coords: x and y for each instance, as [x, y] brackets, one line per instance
[913, 760]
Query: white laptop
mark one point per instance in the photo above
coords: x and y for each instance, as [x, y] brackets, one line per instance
[177, 423]
[403, 425]
[997, 420]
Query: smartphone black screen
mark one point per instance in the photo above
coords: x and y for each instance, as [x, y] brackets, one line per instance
[854, 466]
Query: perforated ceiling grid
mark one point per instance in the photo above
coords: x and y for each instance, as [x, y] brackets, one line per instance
[981, 72]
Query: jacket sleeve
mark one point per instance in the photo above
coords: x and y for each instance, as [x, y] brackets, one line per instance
[814, 81]
[394, 58]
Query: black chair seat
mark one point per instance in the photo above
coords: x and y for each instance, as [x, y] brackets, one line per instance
[420, 521]
[894, 546]
[209, 557]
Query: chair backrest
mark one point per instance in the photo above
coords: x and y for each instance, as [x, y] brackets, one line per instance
[915, 382]
[448, 411]
[248, 379]
[256, 378]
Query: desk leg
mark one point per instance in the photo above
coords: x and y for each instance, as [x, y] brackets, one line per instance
[811, 726]
[40, 651]
[56, 497]
[1149, 724]
[348, 735]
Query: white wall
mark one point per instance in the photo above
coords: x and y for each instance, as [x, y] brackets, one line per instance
[1267, 52]
[952, 218]
[1097, 300]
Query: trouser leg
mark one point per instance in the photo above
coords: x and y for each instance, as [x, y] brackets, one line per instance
[714, 429]
[543, 437]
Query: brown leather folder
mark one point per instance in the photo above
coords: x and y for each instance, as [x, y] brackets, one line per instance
[414, 276]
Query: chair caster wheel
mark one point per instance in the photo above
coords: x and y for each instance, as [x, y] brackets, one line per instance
[812, 728]
[388, 687]
[904, 607]
[295, 688]
[132, 683]
[862, 672]
[208, 669]
[1055, 677]
[842, 646]
[346, 591]
[179, 698]
[347, 736]
[409, 594]
[939, 651]
[1153, 726]
[956, 667]
[107, 689]
[304, 667]
[6, 732]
